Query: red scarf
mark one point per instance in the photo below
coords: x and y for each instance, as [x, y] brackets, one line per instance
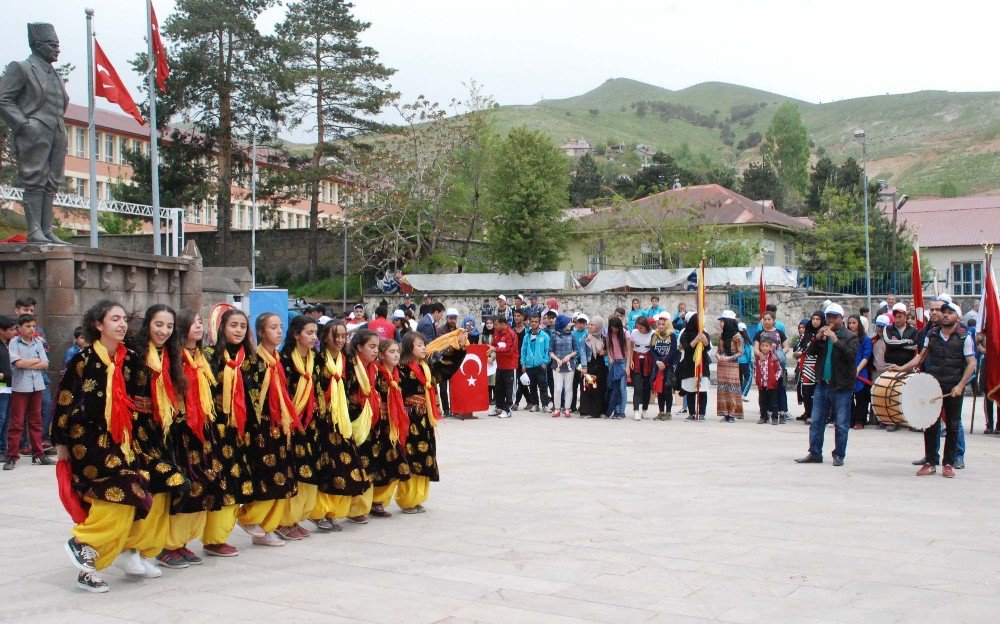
[122, 406]
[237, 399]
[395, 405]
[429, 388]
[371, 398]
[277, 394]
[168, 384]
[195, 413]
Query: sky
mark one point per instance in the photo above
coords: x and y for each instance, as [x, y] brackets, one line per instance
[521, 52]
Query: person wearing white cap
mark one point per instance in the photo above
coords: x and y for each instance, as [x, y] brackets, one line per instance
[504, 310]
[450, 324]
[729, 393]
[835, 348]
[900, 338]
[949, 355]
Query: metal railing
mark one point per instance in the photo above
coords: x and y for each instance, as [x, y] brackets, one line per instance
[854, 283]
[174, 217]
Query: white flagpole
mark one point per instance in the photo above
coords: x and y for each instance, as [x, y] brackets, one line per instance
[91, 129]
[154, 154]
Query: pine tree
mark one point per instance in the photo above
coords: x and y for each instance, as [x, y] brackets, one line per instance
[787, 148]
[586, 184]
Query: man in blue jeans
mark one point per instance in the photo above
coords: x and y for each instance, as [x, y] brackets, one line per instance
[835, 348]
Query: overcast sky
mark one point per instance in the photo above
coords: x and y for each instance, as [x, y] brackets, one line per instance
[523, 51]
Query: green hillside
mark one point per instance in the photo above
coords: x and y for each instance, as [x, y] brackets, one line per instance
[916, 140]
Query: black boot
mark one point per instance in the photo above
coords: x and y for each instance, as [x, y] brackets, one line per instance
[48, 220]
[32, 204]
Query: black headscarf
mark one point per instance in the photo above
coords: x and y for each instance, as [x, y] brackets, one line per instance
[690, 332]
[730, 327]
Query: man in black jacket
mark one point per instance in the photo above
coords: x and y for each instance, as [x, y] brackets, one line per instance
[835, 348]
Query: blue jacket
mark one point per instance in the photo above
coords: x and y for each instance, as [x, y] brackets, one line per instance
[428, 328]
[864, 353]
[535, 349]
[632, 316]
[564, 343]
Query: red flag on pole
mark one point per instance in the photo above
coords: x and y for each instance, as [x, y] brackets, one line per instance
[109, 86]
[469, 387]
[918, 288]
[762, 291]
[159, 52]
[989, 322]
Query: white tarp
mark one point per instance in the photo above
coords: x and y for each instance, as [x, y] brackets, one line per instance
[509, 284]
[664, 279]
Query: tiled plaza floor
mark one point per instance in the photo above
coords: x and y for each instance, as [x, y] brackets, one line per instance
[560, 521]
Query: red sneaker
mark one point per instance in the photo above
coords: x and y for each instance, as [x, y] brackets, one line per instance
[948, 472]
[926, 470]
[302, 531]
[220, 550]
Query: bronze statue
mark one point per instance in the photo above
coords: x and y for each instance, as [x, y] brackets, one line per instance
[33, 101]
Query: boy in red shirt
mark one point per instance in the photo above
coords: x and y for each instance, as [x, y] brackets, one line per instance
[767, 374]
[508, 354]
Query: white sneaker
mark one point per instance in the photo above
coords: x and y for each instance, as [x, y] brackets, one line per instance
[504, 415]
[645, 416]
[130, 563]
[636, 415]
[152, 570]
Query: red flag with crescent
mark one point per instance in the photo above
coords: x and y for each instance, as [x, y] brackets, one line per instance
[470, 386]
[109, 86]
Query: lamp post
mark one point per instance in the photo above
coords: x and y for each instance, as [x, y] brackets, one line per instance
[253, 210]
[860, 135]
[897, 205]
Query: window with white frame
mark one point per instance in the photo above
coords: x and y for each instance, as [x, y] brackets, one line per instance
[966, 278]
[596, 260]
[767, 245]
[789, 254]
[81, 143]
[648, 258]
[97, 141]
[109, 148]
[122, 150]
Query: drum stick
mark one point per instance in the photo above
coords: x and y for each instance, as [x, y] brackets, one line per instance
[936, 399]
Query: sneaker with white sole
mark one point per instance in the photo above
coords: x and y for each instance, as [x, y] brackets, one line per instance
[323, 524]
[504, 415]
[269, 539]
[636, 415]
[152, 570]
[82, 555]
[90, 581]
[130, 563]
[287, 533]
[253, 530]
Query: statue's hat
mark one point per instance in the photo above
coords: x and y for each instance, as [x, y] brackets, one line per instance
[40, 31]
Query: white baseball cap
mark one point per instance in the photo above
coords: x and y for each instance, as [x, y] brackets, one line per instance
[952, 306]
[742, 326]
[451, 312]
[398, 314]
[582, 317]
[521, 297]
[502, 298]
[834, 308]
[728, 314]
[883, 304]
[662, 315]
[899, 307]
[883, 320]
[687, 317]
[943, 297]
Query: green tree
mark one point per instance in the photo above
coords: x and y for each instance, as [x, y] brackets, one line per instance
[586, 184]
[759, 181]
[787, 148]
[339, 87]
[114, 223]
[820, 176]
[527, 190]
[184, 178]
[225, 79]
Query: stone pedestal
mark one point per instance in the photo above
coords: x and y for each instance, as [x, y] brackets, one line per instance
[65, 280]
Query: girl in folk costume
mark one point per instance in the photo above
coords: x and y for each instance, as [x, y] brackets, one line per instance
[419, 376]
[160, 386]
[92, 431]
[229, 359]
[301, 369]
[345, 477]
[806, 366]
[270, 424]
[729, 397]
[389, 432]
[195, 447]
[362, 405]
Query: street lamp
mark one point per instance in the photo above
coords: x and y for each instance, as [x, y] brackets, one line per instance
[897, 205]
[253, 211]
[860, 135]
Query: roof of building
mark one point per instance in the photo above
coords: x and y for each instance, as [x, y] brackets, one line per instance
[580, 144]
[713, 204]
[106, 119]
[951, 222]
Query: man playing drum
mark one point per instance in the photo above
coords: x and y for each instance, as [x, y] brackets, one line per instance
[949, 356]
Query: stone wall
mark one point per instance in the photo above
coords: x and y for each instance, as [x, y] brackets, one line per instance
[277, 250]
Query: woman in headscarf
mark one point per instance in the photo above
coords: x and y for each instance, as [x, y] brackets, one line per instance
[593, 397]
[729, 396]
[695, 389]
[806, 377]
[486, 337]
[470, 325]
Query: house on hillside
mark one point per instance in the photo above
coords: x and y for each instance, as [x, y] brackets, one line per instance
[596, 241]
[576, 149]
[645, 152]
[951, 233]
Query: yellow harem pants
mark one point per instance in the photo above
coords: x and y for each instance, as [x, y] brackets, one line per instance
[184, 528]
[106, 530]
[218, 525]
[331, 506]
[412, 492]
[266, 513]
[149, 535]
[298, 507]
[361, 505]
[383, 493]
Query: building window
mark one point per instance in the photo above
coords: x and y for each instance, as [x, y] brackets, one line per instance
[122, 150]
[767, 245]
[648, 258]
[97, 146]
[789, 255]
[966, 278]
[109, 148]
[596, 260]
[81, 187]
[81, 143]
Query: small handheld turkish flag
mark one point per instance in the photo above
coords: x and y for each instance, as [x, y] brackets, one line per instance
[470, 386]
[109, 86]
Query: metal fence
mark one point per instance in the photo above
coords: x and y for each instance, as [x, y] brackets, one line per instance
[854, 283]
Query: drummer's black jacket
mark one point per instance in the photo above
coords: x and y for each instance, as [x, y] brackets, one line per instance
[843, 368]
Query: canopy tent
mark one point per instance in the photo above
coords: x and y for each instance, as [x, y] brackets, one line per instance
[665, 279]
[546, 281]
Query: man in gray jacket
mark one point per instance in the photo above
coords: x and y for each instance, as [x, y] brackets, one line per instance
[33, 101]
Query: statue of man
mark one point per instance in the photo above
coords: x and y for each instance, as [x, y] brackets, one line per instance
[33, 101]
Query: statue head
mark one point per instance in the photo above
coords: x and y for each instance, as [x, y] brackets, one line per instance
[43, 41]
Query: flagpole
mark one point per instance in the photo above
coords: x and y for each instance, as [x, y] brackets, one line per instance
[154, 152]
[91, 129]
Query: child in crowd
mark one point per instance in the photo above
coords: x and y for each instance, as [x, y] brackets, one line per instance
[79, 344]
[565, 357]
[8, 329]
[767, 374]
[29, 361]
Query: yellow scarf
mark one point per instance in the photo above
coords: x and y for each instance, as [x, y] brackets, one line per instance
[286, 414]
[206, 381]
[109, 393]
[429, 396]
[164, 406]
[363, 424]
[336, 395]
[305, 387]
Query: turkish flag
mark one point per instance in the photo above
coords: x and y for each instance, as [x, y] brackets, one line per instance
[470, 386]
[109, 86]
[989, 323]
[159, 52]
